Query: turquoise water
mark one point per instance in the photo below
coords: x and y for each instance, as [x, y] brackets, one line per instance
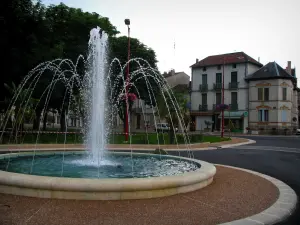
[82, 166]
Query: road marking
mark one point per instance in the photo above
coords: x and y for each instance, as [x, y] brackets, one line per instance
[269, 148]
[264, 147]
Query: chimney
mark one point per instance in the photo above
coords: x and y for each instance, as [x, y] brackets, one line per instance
[259, 59]
[289, 67]
[197, 60]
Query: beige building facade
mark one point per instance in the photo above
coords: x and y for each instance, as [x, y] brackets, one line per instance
[273, 100]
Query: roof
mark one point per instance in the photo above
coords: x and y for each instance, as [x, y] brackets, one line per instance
[270, 71]
[230, 58]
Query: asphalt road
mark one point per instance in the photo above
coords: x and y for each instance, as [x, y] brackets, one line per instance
[278, 157]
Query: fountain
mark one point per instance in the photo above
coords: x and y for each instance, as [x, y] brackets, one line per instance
[96, 174]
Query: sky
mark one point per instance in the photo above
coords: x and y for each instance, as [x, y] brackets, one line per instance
[267, 29]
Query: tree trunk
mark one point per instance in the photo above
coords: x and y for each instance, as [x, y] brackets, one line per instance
[45, 120]
[171, 135]
[36, 122]
[63, 126]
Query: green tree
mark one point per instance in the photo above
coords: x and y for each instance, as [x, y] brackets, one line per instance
[172, 106]
[138, 50]
[21, 110]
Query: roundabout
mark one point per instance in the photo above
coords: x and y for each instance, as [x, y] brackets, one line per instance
[235, 196]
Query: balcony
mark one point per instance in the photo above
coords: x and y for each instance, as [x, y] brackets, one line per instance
[203, 108]
[215, 107]
[233, 85]
[234, 107]
[203, 87]
[217, 86]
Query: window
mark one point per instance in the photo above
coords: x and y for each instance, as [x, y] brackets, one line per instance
[219, 78]
[283, 116]
[263, 94]
[204, 78]
[234, 65]
[204, 68]
[233, 97]
[233, 77]
[204, 99]
[266, 94]
[284, 94]
[219, 67]
[260, 94]
[263, 115]
[218, 98]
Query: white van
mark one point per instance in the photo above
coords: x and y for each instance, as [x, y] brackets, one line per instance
[163, 127]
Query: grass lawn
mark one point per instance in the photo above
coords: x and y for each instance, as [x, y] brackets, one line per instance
[139, 138]
[213, 139]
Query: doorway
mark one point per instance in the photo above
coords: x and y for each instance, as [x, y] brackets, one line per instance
[138, 121]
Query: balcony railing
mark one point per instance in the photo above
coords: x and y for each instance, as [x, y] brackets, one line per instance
[233, 85]
[217, 86]
[234, 106]
[215, 107]
[202, 107]
[203, 87]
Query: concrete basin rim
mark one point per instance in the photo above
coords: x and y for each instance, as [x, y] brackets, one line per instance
[205, 172]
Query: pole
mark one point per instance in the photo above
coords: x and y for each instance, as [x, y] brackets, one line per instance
[127, 86]
[222, 129]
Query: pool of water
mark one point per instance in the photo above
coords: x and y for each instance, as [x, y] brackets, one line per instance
[82, 166]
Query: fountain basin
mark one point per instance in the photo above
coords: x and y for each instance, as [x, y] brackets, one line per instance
[106, 188]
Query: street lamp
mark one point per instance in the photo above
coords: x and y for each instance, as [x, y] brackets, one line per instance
[127, 23]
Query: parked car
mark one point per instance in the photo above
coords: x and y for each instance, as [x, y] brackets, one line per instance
[298, 132]
[163, 127]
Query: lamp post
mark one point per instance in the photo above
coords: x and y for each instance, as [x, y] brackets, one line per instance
[127, 23]
[222, 128]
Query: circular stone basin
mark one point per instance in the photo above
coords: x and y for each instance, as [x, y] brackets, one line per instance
[119, 176]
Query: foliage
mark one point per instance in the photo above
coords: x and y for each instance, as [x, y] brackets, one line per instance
[160, 152]
[207, 123]
[33, 33]
[23, 104]
[172, 106]
[118, 49]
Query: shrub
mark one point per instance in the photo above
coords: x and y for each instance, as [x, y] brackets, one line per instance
[160, 152]
[180, 138]
[194, 138]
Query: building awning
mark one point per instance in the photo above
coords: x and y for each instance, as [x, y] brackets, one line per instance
[232, 114]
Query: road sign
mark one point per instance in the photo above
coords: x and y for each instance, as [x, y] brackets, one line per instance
[245, 114]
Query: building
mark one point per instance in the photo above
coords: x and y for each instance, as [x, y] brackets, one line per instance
[143, 116]
[273, 99]
[206, 90]
[298, 90]
[177, 78]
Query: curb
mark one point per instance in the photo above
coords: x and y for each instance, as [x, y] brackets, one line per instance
[284, 206]
[140, 149]
[249, 141]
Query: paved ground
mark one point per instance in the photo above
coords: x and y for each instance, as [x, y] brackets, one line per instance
[233, 195]
[275, 156]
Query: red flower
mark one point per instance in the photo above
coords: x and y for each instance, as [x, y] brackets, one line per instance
[131, 97]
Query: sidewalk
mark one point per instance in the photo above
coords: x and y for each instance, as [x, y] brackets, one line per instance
[200, 146]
